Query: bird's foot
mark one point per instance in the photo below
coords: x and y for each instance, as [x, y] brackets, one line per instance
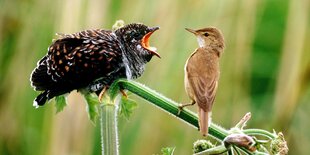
[102, 93]
[124, 93]
[181, 106]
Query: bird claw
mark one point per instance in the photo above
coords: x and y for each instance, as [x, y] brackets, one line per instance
[102, 93]
[180, 107]
[124, 93]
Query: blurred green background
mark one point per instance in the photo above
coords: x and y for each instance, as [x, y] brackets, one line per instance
[265, 69]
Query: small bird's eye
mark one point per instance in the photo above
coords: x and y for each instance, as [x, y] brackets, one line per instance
[206, 34]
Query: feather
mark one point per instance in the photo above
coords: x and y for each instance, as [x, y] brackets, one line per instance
[204, 121]
[203, 78]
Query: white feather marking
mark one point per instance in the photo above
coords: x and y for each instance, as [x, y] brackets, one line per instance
[201, 41]
[138, 46]
[35, 104]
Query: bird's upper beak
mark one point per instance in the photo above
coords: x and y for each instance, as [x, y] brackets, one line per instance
[145, 41]
[192, 31]
[153, 29]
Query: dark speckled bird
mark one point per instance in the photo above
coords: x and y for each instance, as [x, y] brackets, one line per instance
[92, 60]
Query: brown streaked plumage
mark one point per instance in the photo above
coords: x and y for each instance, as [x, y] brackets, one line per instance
[202, 73]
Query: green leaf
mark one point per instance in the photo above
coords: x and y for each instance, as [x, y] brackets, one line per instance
[60, 103]
[113, 90]
[127, 106]
[92, 106]
[167, 150]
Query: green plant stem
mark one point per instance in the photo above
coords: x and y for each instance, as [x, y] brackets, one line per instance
[260, 132]
[230, 152]
[172, 108]
[109, 135]
[216, 150]
[166, 104]
[236, 149]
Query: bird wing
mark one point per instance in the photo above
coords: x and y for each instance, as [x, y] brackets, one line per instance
[83, 56]
[203, 74]
[204, 92]
[74, 60]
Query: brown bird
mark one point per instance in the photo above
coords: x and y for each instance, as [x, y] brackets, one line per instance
[202, 73]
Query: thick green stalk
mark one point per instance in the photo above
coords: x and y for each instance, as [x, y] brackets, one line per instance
[172, 108]
[108, 121]
[165, 104]
[216, 150]
[109, 135]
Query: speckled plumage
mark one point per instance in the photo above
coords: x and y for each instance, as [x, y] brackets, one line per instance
[90, 60]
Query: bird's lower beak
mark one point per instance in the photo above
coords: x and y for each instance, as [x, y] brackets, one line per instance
[145, 41]
[192, 31]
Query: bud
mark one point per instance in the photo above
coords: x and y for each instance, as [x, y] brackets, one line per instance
[201, 145]
[240, 140]
[279, 145]
[118, 24]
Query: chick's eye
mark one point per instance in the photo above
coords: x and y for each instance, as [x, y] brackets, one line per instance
[206, 34]
[135, 34]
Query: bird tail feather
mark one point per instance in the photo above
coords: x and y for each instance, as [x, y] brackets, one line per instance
[40, 80]
[204, 121]
[41, 99]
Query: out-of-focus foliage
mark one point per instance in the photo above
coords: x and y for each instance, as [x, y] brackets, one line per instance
[167, 150]
[265, 69]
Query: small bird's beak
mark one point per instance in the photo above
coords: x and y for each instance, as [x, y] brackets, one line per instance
[192, 31]
[145, 41]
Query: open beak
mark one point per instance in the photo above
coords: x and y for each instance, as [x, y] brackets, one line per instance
[146, 44]
[191, 31]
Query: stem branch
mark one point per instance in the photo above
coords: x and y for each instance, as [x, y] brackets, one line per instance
[185, 115]
[109, 137]
[165, 104]
[260, 132]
